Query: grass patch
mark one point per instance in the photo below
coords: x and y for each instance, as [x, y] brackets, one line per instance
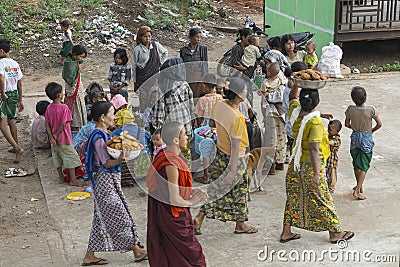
[17, 16]
[164, 14]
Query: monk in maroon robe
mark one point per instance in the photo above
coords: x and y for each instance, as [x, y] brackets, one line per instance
[170, 235]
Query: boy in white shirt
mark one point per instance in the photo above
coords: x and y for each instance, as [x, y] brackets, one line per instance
[11, 97]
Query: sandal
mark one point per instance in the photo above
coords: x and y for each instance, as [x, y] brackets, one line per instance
[18, 172]
[142, 258]
[250, 230]
[97, 262]
[294, 237]
[196, 228]
[197, 231]
[350, 236]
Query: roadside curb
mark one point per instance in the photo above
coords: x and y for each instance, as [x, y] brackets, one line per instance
[54, 241]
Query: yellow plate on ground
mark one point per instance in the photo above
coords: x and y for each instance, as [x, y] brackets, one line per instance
[78, 195]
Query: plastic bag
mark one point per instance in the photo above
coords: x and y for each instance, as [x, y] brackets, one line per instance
[330, 61]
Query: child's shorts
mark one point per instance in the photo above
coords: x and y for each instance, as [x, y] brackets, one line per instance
[65, 156]
[66, 48]
[9, 107]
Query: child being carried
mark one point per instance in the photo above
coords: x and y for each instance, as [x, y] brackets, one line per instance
[274, 116]
[275, 80]
[251, 52]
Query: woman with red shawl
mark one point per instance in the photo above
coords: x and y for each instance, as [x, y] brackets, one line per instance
[148, 56]
[170, 235]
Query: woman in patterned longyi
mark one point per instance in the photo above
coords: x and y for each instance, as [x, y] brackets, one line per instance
[229, 179]
[113, 228]
[309, 204]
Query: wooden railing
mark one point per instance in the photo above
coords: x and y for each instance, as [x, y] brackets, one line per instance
[362, 16]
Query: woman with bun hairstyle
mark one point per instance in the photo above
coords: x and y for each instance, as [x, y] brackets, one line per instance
[229, 179]
[113, 227]
[309, 204]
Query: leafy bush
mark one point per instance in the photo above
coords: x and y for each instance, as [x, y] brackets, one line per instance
[384, 68]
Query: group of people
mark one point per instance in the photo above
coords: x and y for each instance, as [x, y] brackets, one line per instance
[171, 95]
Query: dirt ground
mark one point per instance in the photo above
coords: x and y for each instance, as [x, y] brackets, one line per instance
[26, 228]
[18, 213]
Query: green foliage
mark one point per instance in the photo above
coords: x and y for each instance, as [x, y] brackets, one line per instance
[91, 3]
[164, 13]
[18, 16]
[384, 68]
[152, 19]
[55, 9]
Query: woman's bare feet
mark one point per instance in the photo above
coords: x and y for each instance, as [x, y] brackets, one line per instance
[61, 178]
[18, 155]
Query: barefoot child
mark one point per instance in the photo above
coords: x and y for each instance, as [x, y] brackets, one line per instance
[58, 119]
[67, 39]
[359, 119]
[334, 128]
[11, 97]
[39, 136]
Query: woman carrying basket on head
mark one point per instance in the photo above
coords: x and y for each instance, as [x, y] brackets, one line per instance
[309, 204]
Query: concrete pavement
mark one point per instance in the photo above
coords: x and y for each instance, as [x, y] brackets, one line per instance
[375, 220]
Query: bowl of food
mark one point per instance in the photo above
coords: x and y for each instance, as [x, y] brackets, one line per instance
[310, 79]
[124, 142]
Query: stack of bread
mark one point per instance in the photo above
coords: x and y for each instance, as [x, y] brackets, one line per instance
[309, 75]
[124, 142]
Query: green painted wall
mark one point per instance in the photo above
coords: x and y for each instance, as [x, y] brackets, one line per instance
[289, 16]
